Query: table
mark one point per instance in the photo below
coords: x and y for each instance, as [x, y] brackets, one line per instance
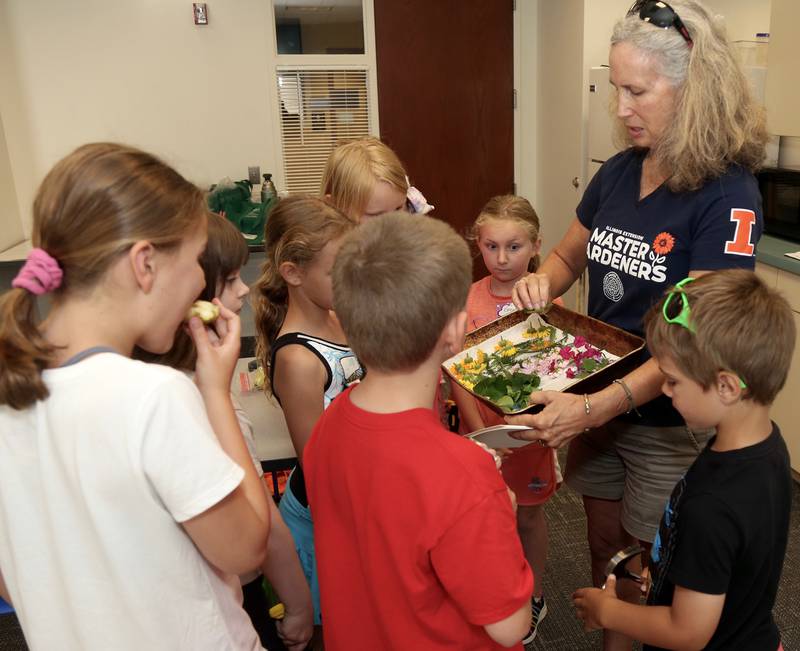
[273, 443]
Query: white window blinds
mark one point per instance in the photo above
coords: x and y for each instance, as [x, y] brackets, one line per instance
[319, 108]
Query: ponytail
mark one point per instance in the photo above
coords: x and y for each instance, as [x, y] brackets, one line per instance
[92, 206]
[24, 352]
[270, 304]
[298, 228]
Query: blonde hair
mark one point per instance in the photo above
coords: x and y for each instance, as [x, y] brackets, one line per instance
[225, 252]
[397, 281]
[298, 228]
[716, 119]
[741, 325]
[353, 169]
[512, 208]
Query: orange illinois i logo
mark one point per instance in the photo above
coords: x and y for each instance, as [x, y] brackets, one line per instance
[742, 242]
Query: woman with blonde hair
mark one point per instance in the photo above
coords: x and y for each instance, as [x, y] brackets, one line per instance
[364, 178]
[679, 200]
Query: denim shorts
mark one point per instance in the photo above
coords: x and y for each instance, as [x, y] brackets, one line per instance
[298, 518]
[637, 464]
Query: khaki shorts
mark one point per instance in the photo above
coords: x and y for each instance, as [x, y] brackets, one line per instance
[639, 465]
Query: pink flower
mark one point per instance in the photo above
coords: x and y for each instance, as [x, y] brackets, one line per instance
[571, 373]
[579, 342]
[566, 353]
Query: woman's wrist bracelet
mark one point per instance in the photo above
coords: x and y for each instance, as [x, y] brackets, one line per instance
[587, 408]
[628, 397]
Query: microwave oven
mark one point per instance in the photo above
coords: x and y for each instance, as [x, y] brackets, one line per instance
[780, 193]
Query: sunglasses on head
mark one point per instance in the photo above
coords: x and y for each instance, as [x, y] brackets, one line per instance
[662, 15]
[678, 312]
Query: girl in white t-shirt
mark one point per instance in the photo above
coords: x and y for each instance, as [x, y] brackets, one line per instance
[127, 495]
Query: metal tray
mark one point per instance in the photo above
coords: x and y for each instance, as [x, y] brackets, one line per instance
[601, 335]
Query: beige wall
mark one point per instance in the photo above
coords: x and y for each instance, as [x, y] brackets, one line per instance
[743, 18]
[526, 81]
[141, 73]
[10, 225]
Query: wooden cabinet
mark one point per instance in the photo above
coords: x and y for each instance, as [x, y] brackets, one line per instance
[782, 90]
[785, 410]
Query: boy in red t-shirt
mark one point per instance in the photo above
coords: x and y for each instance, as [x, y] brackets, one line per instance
[414, 530]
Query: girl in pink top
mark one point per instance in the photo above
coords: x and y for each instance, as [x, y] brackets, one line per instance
[507, 235]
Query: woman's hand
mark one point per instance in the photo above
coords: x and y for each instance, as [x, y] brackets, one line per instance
[563, 418]
[217, 349]
[531, 292]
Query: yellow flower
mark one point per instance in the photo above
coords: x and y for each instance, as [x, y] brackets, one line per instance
[509, 352]
[468, 384]
[503, 343]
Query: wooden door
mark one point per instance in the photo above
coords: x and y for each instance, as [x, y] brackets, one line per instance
[445, 99]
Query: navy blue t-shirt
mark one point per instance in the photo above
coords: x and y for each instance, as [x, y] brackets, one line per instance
[637, 249]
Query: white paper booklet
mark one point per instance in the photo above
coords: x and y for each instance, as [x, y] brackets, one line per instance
[498, 436]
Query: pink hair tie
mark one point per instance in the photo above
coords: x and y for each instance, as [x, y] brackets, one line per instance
[40, 274]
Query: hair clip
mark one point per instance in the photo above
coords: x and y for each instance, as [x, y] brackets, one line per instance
[417, 201]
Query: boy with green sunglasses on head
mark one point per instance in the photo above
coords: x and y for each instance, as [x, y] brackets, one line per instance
[724, 343]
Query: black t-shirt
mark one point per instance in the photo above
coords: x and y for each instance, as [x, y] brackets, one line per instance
[724, 531]
[637, 249]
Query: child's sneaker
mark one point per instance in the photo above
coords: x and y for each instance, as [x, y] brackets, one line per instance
[538, 613]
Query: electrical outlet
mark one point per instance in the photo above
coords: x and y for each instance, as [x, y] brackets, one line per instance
[254, 175]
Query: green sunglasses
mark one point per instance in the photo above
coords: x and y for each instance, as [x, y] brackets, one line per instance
[683, 314]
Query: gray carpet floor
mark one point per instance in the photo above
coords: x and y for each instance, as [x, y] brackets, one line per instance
[568, 569]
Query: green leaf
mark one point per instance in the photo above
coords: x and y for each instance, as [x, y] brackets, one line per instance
[589, 365]
[491, 387]
[505, 402]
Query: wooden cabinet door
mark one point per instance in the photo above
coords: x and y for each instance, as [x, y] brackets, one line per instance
[445, 99]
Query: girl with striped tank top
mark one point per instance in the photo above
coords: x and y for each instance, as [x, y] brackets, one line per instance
[300, 341]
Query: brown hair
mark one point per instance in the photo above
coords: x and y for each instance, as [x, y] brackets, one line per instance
[716, 120]
[298, 228]
[90, 209]
[352, 170]
[513, 208]
[397, 281]
[226, 252]
[741, 325]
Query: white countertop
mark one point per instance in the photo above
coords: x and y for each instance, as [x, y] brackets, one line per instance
[269, 426]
